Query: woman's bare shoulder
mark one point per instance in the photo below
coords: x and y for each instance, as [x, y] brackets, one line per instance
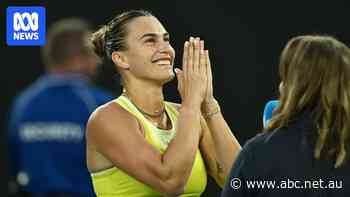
[111, 114]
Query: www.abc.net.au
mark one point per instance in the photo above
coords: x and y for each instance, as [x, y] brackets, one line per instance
[236, 183]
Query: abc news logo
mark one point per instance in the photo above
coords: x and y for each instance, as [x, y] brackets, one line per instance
[29, 29]
[25, 25]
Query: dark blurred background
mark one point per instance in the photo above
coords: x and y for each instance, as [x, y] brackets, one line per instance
[244, 39]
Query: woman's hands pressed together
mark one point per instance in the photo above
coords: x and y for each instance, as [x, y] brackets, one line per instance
[193, 79]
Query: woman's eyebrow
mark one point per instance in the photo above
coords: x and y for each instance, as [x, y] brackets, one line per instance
[153, 35]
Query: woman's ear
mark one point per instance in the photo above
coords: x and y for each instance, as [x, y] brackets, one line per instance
[120, 60]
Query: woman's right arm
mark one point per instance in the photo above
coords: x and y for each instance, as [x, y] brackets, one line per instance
[118, 136]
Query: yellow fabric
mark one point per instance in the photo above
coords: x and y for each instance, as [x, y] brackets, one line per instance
[114, 182]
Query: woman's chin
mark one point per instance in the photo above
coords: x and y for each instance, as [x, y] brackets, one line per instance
[168, 78]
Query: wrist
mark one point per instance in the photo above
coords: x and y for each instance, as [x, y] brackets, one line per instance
[210, 107]
[192, 105]
[188, 110]
[209, 99]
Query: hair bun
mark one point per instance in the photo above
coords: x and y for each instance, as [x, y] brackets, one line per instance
[98, 41]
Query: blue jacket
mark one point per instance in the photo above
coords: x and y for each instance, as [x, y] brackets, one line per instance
[47, 134]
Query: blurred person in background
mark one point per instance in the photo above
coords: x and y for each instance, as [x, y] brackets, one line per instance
[141, 145]
[304, 150]
[47, 121]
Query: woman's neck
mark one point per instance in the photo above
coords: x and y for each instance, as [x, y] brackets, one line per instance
[147, 96]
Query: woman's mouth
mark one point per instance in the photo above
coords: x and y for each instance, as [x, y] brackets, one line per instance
[163, 62]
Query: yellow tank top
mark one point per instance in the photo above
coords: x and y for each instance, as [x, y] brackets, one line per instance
[116, 183]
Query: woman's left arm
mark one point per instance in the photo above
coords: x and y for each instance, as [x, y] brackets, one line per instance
[218, 145]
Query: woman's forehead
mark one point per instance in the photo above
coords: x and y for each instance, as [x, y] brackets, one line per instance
[145, 25]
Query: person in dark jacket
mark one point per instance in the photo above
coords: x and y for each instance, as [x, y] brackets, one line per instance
[304, 150]
[47, 121]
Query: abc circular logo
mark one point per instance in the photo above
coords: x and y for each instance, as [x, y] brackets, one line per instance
[25, 26]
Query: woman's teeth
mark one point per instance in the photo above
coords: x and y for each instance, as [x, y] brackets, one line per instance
[163, 62]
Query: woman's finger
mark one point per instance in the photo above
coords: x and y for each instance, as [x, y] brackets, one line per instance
[196, 57]
[203, 59]
[208, 66]
[185, 58]
[190, 57]
[179, 76]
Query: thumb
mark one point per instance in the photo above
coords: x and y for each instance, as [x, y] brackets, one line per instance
[179, 74]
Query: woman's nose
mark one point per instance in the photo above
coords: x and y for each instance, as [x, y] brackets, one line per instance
[165, 47]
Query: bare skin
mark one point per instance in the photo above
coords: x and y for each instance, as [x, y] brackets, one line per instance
[114, 136]
[218, 145]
